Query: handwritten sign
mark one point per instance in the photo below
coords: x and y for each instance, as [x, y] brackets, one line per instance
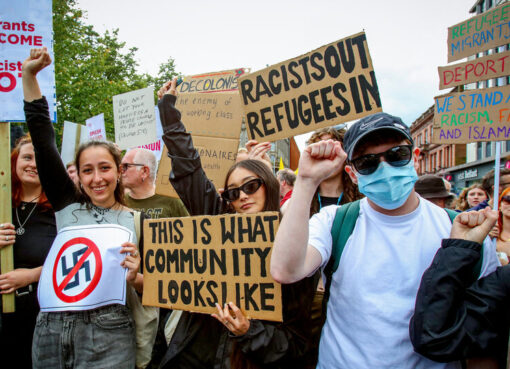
[24, 24]
[224, 81]
[134, 118]
[480, 69]
[95, 128]
[73, 136]
[192, 263]
[330, 85]
[472, 116]
[483, 32]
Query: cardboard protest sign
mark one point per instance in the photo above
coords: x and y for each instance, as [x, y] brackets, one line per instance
[73, 136]
[24, 24]
[157, 146]
[134, 118]
[194, 262]
[216, 154]
[330, 85]
[95, 128]
[472, 116]
[82, 270]
[483, 32]
[479, 69]
[224, 81]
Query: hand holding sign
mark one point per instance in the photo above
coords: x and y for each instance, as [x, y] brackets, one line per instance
[319, 160]
[474, 225]
[235, 321]
[131, 262]
[7, 234]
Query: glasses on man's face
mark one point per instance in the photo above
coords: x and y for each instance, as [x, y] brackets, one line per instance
[125, 166]
[397, 156]
[248, 188]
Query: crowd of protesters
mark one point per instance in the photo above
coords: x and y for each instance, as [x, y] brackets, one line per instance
[379, 268]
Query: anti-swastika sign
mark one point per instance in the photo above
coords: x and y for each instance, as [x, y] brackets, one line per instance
[82, 270]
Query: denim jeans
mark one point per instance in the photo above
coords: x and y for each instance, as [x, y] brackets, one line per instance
[99, 338]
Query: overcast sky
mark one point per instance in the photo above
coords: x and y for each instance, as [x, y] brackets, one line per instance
[406, 39]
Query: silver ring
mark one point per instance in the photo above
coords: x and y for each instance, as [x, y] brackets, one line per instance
[135, 254]
[7, 238]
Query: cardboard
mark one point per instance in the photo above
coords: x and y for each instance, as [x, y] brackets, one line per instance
[472, 116]
[330, 85]
[224, 81]
[95, 128]
[213, 115]
[134, 118]
[73, 136]
[194, 262]
[217, 156]
[480, 69]
[483, 32]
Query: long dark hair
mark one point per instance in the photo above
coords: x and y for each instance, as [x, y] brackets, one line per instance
[261, 170]
[117, 158]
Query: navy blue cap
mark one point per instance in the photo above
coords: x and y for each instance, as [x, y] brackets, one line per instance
[372, 123]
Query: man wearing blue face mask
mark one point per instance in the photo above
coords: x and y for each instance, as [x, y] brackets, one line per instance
[395, 237]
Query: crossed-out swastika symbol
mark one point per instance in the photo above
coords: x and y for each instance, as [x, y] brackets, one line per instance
[85, 266]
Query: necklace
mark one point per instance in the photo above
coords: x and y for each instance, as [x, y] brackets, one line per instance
[337, 203]
[24, 204]
[20, 229]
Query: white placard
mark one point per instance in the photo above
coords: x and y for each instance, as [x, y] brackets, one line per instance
[25, 24]
[134, 118]
[157, 146]
[74, 135]
[82, 270]
[95, 128]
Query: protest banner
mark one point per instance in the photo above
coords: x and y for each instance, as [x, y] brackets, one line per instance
[480, 33]
[157, 146]
[82, 270]
[194, 262]
[224, 81]
[479, 69]
[73, 136]
[24, 24]
[6, 253]
[330, 85]
[95, 128]
[214, 121]
[472, 116]
[134, 118]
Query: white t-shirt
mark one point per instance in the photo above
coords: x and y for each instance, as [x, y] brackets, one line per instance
[374, 288]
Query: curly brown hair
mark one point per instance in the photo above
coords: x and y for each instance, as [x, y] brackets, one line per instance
[350, 189]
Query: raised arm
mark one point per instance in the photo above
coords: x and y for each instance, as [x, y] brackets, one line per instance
[187, 176]
[292, 257]
[57, 185]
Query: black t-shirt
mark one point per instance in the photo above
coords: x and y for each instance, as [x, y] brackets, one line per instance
[326, 201]
[31, 247]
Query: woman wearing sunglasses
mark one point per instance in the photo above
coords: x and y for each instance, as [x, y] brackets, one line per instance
[228, 339]
[503, 239]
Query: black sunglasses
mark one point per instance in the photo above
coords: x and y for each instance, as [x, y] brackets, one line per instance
[248, 188]
[125, 166]
[506, 199]
[397, 156]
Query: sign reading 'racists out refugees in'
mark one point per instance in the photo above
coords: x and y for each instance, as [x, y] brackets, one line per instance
[195, 262]
[330, 85]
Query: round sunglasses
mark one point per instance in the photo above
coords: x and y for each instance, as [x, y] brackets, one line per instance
[397, 156]
[248, 188]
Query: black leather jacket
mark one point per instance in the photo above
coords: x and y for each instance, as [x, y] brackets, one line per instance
[457, 317]
[266, 344]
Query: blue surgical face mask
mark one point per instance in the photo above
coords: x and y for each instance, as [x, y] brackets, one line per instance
[389, 186]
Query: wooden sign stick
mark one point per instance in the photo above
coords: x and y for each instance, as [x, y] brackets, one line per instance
[6, 253]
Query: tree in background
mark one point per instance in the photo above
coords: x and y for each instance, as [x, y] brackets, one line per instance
[91, 68]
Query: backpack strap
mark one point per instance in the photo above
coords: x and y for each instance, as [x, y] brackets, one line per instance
[478, 267]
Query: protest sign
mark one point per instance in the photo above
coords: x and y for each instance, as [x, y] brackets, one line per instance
[194, 262]
[479, 69]
[157, 146]
[483, 32]
[214, 121]
[24, 24]
[224, 81]
[95, 128]
[82, 270]
[134, 118]
[330, 85]
[472, 116]
[74, 135]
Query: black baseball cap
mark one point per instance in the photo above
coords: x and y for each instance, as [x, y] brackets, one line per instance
[370, 124]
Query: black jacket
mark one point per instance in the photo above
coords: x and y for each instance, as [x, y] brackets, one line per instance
[266, 344]
[457, 317]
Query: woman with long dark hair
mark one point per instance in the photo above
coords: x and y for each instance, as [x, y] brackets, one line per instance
[32, 234]
[101, 337]
[228, 339]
